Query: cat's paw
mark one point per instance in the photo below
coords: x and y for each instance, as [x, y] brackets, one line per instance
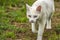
[49, 27]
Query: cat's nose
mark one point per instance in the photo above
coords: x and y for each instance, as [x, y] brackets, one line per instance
[32, 21]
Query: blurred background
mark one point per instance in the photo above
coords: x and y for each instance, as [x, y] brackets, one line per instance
[14, 24]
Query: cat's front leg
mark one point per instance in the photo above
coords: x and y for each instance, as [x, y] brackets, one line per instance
[33, 28]
[40, 32]
[41, 29]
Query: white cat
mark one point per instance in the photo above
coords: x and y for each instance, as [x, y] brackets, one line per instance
[41, 12]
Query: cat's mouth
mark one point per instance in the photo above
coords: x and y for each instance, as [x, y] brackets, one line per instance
[32, 21]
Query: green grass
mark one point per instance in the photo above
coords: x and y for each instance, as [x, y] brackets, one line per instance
[12, 14]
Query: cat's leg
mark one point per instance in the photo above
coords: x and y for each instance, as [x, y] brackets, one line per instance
[33, 28]
[48, 26]
[41, 30]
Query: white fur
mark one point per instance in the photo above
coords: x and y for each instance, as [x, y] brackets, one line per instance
[33, 28]
[44, 16]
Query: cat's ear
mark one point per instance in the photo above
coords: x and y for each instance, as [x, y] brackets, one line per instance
[28, 7]
[38, 8]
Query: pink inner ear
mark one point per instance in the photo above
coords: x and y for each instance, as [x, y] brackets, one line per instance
[38, 8]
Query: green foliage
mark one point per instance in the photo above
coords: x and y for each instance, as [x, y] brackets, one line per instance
[21, 29]
[8, 2]
[6, 35]
[10, 35]
[53, 37]
[15, 11]
[57, 29]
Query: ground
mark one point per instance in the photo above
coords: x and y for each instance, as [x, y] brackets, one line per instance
[15, 27]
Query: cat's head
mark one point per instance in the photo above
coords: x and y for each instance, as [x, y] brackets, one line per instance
[33, 13]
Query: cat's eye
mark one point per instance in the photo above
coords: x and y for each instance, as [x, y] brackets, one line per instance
[35, 16]
[29, 15]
